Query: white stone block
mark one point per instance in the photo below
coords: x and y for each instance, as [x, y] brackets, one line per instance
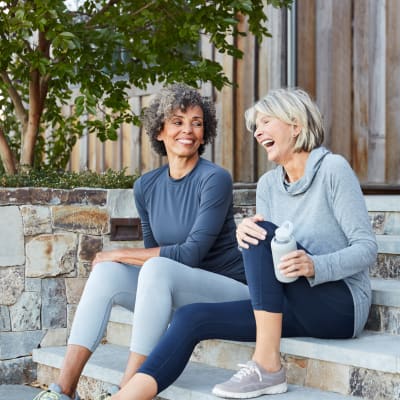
[11, 237]
[51, 255]
[121, 204]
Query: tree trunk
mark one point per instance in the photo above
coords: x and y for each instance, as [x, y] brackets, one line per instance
[38, 87]
[6, 155]
[35, 111]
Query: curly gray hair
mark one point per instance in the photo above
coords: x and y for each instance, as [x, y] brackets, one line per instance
[166, 101]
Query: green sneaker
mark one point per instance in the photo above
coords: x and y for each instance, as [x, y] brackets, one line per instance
[54, 393]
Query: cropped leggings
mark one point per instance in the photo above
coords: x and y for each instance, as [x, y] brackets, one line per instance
[323, 311]
[160, 286]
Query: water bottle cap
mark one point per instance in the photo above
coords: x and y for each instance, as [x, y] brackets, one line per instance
[284, 231]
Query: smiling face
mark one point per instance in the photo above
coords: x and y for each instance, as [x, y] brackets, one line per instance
[183, 133]
[277, 137]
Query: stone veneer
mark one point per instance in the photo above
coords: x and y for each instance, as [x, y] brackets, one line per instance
[49, 238]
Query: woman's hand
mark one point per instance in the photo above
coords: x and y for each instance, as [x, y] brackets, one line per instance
[297, 263]
[248, 232]
[102, 256]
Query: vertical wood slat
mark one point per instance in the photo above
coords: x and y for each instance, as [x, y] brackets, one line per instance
[244, 98]
[341, 79]
[224, 143]
[150, 159]
[323, 63]
[132, 159]
[361, 114]
[377, 78]
[306, 46]
[206, 88]
[393, 92]
[271, 56]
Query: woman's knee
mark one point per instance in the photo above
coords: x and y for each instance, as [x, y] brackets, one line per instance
[108, 275]
[157, 269]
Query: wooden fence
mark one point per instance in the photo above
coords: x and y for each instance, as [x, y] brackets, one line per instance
[348, 59]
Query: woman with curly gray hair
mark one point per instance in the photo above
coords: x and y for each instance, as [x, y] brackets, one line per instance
[190, 253]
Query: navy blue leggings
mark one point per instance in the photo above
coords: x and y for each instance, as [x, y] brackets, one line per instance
[323, 311]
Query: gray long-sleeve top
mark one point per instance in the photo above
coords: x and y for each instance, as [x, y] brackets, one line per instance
[330, 220]
[191, 219]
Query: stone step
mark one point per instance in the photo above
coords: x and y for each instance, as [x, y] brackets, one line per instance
[18, 392]
[385, 310]
[384, 202]
[366, 366]
[106, 365]
[388, 244]
[384, 316]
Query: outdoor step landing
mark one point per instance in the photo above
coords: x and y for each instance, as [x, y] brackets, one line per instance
[18, 392]
[195, 383]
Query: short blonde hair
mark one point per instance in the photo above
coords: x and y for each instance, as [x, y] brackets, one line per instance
[294, 107]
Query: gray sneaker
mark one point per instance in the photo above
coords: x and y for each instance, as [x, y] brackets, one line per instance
[252, 381]
[54, 393]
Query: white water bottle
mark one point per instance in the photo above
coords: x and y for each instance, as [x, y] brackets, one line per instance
[283, 243]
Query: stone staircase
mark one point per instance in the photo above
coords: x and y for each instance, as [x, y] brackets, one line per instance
[367, 367]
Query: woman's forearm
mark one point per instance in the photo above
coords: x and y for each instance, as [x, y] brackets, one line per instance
[134, 256]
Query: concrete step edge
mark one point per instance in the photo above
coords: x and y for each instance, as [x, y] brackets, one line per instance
[382, 202]
[385, 292]
[388, 244]
[195, 382]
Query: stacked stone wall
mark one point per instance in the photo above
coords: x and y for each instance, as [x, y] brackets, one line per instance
[48, 238]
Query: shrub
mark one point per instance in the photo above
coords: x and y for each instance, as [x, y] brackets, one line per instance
[69, 180]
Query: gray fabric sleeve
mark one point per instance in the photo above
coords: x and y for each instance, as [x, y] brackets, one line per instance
[350, 211]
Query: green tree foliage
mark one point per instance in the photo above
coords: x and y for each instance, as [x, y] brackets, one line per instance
[49, 53]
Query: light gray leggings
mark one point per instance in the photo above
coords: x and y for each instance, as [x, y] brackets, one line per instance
[162, 286]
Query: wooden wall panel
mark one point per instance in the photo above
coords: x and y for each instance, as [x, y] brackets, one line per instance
[377, 78]
[271, 64]
[348, 59]
[341, 77]
[224, 103]
[393, 92]
[244, 166]
[306, 46]
[361, 114]
[323, 77]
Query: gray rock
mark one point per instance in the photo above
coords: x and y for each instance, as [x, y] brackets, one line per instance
[54, 303]
[12, 283]
[11, 237]
[25, 314]
[18, 344]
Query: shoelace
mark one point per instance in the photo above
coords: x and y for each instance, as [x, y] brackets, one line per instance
[246, 370]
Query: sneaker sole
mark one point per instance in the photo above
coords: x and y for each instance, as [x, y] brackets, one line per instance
[276, 389]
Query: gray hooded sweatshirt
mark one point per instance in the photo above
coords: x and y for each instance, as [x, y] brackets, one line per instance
[330, 218]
